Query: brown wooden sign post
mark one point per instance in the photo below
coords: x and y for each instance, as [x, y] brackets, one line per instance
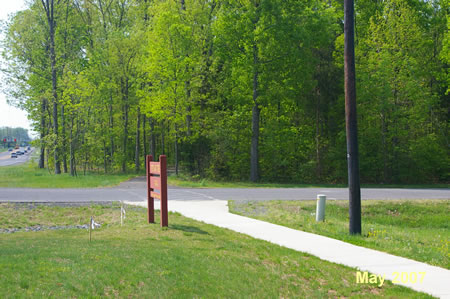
[157, 181]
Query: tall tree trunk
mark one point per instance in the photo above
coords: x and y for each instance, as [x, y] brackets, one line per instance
[153, 136]
[138, 140]
[63, 135]
[176, 149]
[43, 127]
[188, 110]
[144, 135]
[162, 138]
[105, 157]
[384, 146]
[254, 171]
[318, 160]
[111, 132]
[125, 129]
[72, 153]
[49, 10]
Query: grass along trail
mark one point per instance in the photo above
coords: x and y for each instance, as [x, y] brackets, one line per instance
[415, 229]
[188, 259]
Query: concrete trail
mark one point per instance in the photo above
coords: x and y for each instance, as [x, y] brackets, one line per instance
[435, 282]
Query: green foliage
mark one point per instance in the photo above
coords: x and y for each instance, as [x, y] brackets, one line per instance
[398, 107]
[182, 78]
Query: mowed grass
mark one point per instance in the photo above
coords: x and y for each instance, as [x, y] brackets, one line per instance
[188, 259]
[28, 175]
[416, 229]
[197, 182]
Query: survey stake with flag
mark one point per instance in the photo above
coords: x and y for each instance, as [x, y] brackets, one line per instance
[157, 187]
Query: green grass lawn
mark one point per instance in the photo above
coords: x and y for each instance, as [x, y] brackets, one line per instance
[197, 182]
[30, 176]
[416, 229]
[188, 259]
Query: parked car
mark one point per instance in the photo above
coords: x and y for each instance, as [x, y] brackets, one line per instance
[10, 150]
[19, 153]
[13, 155]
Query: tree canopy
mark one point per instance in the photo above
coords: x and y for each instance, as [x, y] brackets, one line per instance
[233, 89]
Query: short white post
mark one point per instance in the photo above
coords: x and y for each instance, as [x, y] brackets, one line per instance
[320, 209]
[121, 213]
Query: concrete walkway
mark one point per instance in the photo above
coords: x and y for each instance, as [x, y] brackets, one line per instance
[435, 282]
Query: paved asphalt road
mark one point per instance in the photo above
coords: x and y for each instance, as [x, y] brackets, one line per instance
[135, 190]
[6, 160]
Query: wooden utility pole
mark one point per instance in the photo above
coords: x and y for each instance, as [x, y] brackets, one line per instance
[350, 119]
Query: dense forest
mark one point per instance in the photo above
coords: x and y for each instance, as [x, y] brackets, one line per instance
[233, 89]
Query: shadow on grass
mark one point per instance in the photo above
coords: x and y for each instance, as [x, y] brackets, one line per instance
[190, 229]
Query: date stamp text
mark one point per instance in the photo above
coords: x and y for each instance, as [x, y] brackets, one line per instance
[397, 277]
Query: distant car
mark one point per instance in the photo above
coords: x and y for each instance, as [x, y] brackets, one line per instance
[13, 155]
[25, 151]
[10, 150]
[29, 148]
[19, 153]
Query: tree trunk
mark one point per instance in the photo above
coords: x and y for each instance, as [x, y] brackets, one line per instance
[42, 157]
[63, 135]
[42, 154]
[49, 10]
[125, 129]
[111, 132]
[162, 138]
[105, 159]
[384, 146]
[254, 171]
[176, 150]
[138, 140]
[153, 136]
[72, 154]
[188, 119]
[144, 136]
[318, 160]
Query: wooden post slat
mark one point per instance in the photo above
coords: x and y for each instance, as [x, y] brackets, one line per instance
[155, 182]
[164, 211]
[150, 201]
[155, 167]
[155, 195]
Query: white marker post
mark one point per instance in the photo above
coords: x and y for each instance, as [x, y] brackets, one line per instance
[121, 213]
[320, 208]
[90, 229]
